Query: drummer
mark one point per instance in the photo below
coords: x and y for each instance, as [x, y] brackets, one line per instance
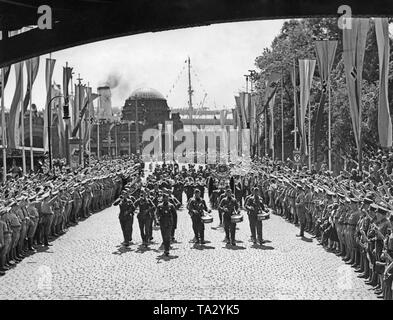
[254, 205]
[229, 207]
[195, 207]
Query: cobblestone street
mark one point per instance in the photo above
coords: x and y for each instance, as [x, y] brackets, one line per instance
[88, 262]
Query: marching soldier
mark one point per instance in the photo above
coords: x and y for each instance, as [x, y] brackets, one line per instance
[196, 206]
[145, 216]
[254, 204]
[164, 213]
[230, 207]
[126, 216]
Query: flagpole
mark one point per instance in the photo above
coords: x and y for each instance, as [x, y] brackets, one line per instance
[282, 117]
[50, 121]
[266, 133]
[23, 127]
[272, 128]
[309, 135]
[67, 121]
[295, 102]
[329, 129]
[98, 126]
[31, 117]
[3, 127]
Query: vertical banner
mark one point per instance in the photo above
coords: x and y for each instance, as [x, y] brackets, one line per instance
[57, 117]
[271, 113]
[159, 141]
[325, 52]
[234, 116]
[169, 140]
[252, 119]
[384, 120]
[67, 75]
[49, 66]
[15, 110]
[354, 43]
[4, 77]
[242, 99]
[32, 66]
[6, 71]
[306, 73]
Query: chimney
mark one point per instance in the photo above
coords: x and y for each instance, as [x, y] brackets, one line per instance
[105, 103]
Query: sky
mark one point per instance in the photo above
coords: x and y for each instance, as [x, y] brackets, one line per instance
[221, 54]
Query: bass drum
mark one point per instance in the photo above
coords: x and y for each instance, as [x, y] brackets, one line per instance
[263, 216]
[236, 218]
[207, 219]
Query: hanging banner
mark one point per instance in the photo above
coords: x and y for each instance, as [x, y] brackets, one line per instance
[306, 73]
[354, 43]
[242, 98]
[32, 66]
[325, 52]
[238, 112]
[50, 65]
[384, 120]
[15, 110]
[271, 111]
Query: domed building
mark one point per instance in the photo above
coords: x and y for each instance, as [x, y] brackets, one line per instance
[151, 104]
[120, 138]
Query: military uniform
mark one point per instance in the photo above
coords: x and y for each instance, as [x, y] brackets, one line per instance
[229, 206]
[5, 239]
[254, 205]
[165, 213]
[195, 208]
[301, 211]
[126, 217]
[145, 217]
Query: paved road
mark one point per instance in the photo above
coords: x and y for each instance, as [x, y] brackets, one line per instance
[89, 263]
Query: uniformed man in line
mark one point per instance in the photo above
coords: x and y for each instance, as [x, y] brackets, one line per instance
[24, 217]
[33, 223]
[239, 192]
[230, 207]
[352, 223]
[47, 216]
[363, 226]
[77, 203]
[164, 214]
[196, 207]
[57, 211]
[308, 206]
[301, 210]
[126, 216]
[7, 241]
[254, 205]
[178, 190]
[16, 226]
[145, 215]
[371, 240]
[382, 225]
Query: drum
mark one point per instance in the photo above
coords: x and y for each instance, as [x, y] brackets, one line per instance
[207, 219]
[237, 218]
[263, 216]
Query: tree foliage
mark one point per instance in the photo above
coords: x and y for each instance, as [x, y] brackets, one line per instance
[297, 41]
